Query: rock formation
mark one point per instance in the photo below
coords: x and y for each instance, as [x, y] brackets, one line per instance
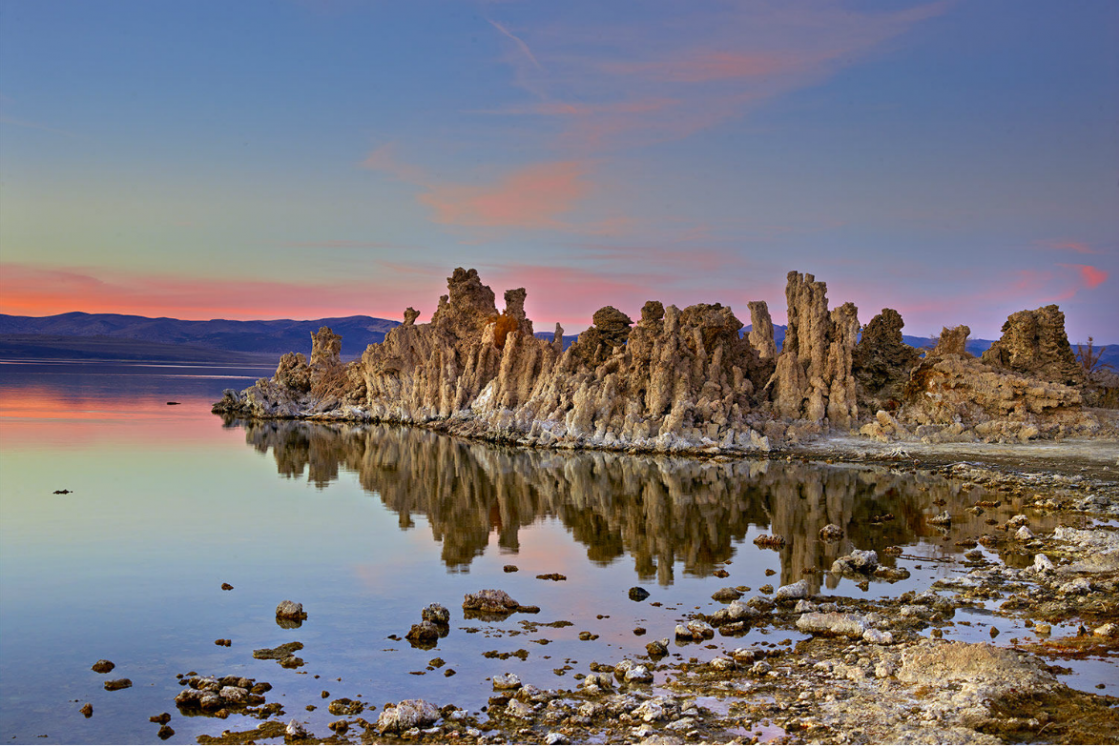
[676, 380]
[813, 379]
[881, 362]
[1035, 343]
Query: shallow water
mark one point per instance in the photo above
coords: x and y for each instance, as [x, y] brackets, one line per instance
[365, 526]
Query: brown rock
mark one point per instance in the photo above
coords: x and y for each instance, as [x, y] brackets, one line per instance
[881, 362]
[1035, 343]
[952, 342]
[813, 378]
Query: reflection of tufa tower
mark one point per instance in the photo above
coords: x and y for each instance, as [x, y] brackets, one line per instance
[661, 511]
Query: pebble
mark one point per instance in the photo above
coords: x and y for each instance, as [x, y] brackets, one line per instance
[86, 710]
[103, 666]
[638, 594]
[120, 684]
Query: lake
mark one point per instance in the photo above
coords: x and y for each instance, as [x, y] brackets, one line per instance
[367, 525]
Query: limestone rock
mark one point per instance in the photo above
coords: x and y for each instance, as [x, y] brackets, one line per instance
[1035, 343]
[985, 670]
[813, 377]
[490, 600]
[952, 342]
[407, 714]
[881, 362]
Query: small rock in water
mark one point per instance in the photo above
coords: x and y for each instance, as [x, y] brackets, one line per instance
[941, 520]
[295, 730]
[797, 590]
[727, 594]
[506, 681]
[831, 533]
[103, 666]
[86, 710]
[165, 732]
[658, 648]
[288, 610]
[227, 587]
[437, 614]
[407, 714]
[163, 718]
[552, 577]
[1024, 533]
[638, 594]
[510, 569]
[120, 684]
[424, 633]
[490, 600]
[555, 737]
[1108, 630]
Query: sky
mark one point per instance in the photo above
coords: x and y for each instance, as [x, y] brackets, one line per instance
[955, 160]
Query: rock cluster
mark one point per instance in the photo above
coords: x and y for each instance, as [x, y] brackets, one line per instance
[681, 380]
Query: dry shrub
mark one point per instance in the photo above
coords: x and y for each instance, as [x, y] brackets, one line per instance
[503, 325]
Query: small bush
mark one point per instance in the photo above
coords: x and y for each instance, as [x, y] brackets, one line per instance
[503, 325]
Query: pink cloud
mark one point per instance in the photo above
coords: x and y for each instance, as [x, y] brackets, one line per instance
[702, 66]
[721, 59]
[1091, 277]
[1078, 247]
[533, 196]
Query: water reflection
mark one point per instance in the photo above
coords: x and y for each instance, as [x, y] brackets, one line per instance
[659, 510]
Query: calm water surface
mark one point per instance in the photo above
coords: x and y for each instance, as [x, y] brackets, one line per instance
[365, 526]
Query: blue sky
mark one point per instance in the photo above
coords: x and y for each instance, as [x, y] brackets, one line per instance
[956, 161]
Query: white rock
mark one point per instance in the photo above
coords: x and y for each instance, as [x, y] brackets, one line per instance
[878, 637]
[295, 730]
[1024, 533]
[638, 673]
[517, 709]
[506, 681]
[797, 590]
[1042, 564]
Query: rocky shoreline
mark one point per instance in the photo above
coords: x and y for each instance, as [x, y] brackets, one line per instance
[1022, 421]
[687, 381]
[910, 667]
[884, 670]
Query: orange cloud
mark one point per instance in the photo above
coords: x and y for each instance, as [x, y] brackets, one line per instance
[31, 290]
[533, 196]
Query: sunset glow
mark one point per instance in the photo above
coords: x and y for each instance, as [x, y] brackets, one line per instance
[953, 160]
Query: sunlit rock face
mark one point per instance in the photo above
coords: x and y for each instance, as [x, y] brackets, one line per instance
[666, 514]
[679, 380]
[813, 379]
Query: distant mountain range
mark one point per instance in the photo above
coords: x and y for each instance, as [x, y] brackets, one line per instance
[101, 336]
[273, 337]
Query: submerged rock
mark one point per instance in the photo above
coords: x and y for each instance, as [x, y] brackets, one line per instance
[103, 666]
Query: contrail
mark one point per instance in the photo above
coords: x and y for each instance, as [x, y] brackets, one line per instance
[521, 45]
